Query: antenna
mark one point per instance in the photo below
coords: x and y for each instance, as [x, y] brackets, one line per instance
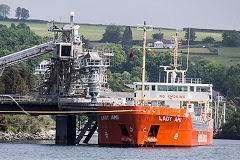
[175, 64]
[188, 46]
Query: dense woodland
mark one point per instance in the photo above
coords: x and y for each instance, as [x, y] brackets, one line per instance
[19, 79]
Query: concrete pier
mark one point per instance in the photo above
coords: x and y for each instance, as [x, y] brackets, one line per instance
[65, 129]
[65, 122]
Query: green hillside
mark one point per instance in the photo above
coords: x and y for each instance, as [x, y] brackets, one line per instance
[95, 32]
[226, 55]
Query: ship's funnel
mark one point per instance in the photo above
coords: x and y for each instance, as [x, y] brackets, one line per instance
[71, 17]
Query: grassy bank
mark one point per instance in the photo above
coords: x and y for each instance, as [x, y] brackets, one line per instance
[95, 32]
[227, 56]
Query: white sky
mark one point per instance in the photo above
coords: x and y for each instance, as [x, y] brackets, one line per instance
[212, 14]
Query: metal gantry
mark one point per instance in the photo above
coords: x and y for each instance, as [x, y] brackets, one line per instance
[74, 74]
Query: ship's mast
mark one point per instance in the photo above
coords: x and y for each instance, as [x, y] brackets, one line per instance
[175, 54]
[175, 64]
[144, 28]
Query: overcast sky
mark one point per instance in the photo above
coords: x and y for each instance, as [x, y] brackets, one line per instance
[212, 14]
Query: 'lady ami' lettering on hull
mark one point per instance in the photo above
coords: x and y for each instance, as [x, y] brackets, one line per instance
[169, 118]
[109, 117]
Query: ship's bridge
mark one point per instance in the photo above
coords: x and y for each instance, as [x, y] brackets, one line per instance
[174, 93]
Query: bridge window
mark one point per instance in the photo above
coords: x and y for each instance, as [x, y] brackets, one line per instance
[43, 66]
[153, 87]
[202, 89]
[172, 88]
[182, 88]
[191, 88]
[162, 88]
[139, 87]
[147, 87]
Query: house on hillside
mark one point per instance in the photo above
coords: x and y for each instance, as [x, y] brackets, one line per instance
[160, 43]
[168, 44]
[218, 96]
[150, 42]
[42, 67]
[95, 44]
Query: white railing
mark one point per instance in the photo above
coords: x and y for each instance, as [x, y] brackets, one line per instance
[189, 80]
[17, 98]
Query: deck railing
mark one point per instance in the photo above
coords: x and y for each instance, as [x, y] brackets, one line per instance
[17, 98]
[189, 80]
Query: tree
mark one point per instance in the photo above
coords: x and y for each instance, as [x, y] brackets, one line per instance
[210, 73]
[231, 38]
[18, 12]
[14, 83]
[85, 42]
[112, 34]
[23, 26]
[25, 13]
[118, 61]
[17, 38]
[28, 77]
[13, 26]
[4, 11]
[232, 82]
[208, 40]
[158, 36]
[231, 130]
[127, 36]
[192, 34]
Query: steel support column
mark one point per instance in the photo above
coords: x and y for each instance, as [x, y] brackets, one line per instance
[91, 132]
[65, 129]
[87, 127]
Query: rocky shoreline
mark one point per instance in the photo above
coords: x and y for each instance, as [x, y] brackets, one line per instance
[11, 136]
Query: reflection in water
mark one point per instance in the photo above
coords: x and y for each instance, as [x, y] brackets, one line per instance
[221, 149]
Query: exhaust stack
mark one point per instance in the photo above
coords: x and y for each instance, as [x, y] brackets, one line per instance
[71, 17]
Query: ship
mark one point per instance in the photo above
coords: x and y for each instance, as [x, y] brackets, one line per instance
[173, 113]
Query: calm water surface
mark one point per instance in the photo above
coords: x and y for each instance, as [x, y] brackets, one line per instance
[221, 149]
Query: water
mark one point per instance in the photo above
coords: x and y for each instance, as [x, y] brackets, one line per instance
[221, 149]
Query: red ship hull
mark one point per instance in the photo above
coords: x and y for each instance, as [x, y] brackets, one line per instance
[150, 126]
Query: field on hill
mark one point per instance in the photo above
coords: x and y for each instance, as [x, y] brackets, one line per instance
[95, 32]
[226, 55]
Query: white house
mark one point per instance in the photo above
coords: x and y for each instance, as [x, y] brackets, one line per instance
[42, 67]
[218, 96]
[168, 44]
[160, 43]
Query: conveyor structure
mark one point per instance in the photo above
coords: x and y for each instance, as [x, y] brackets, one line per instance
[26, 54]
